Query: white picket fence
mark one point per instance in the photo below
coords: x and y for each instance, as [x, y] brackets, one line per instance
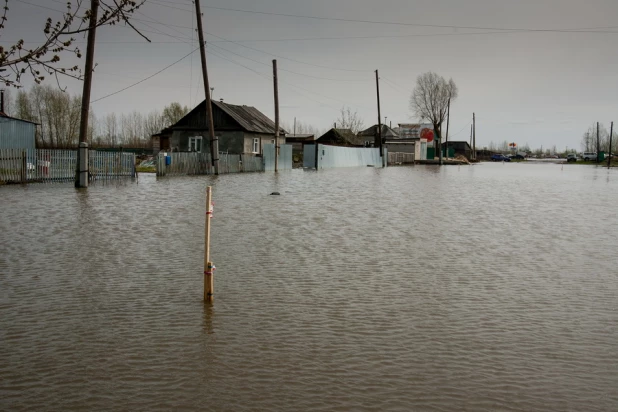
[54, 165]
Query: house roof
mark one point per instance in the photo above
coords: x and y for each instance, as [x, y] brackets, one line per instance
[249, 118]
[6, 116]
[387, 132]
[345, 136]
[299, 137]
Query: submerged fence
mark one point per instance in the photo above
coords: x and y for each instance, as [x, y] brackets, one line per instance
[191, 163]
[400, 158]
[182, 164]
[326, 157]
[51, 165]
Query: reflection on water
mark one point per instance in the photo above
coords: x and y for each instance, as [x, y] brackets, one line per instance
[490, 287]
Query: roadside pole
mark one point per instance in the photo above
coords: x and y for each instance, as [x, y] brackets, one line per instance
[276, 83]
[474, 134]
[448, 119]
[214, 141]
[609, 156]
[379, 119]
[209, 267]
[598, 145]
[81, 176]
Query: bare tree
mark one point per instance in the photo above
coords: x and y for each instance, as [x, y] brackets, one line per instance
[430, 100]
[174, 112]
[349, 120]
[17, 60]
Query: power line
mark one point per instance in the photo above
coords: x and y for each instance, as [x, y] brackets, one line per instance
[443, 26]
[147, 78]
[286, 58]
[285, 70]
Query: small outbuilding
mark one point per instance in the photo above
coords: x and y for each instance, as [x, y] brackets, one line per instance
[16, 133]
[342, 137]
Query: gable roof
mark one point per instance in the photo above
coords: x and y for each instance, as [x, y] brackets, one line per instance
[343, 136]
[248, 118]
[387, 132]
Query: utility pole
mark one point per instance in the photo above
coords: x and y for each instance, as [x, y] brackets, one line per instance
[81, 175]
[214, 141]
[276, 115]
[472, 152]
[598, 145]
[295, 126]
[448, 119]
[379, 118]
[609, 156]
[474, 134]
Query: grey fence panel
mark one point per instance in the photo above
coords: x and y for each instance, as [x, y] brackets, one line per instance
[252, 163]
[309, 156]
[180, 163]
[336, 156]
[400, 158]
[285, 157]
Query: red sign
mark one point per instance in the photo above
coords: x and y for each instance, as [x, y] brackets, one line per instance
[427, 134]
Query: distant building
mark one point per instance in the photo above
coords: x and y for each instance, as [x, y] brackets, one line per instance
[15, 133]
[341, 137]
[370, 135]
[298, 141]
[240, 129]
[459, 148]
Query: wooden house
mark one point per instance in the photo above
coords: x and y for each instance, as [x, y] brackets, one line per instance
[240, 130]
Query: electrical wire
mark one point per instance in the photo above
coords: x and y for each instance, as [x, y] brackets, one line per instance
[143, 80]
[443, 26]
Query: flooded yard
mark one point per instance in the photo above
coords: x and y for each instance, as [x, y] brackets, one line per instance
[492, 287]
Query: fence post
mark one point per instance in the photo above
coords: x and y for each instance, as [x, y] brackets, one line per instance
[24, 167]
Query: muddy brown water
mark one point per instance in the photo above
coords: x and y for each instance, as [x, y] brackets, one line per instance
[485, 288]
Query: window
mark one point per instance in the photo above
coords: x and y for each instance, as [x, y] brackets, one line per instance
[256, 145]
[273, 141]
[195, 144]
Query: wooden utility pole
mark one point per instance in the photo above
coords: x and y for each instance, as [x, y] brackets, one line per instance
[276, 83]
[598, 145]
[81, 175]
[609, 156]
[214, 141]
[209, 267]
[448, 119]
[474, 134]
[379, 134]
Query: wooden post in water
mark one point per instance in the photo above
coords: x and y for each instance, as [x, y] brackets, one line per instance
[276, 115]
[609, 156]
[209, 268]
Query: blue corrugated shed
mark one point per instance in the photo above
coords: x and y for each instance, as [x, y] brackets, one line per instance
[16, 133]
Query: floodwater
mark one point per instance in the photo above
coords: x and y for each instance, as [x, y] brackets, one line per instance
[492, 287]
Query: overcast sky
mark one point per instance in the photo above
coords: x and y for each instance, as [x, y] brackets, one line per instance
[518, 64]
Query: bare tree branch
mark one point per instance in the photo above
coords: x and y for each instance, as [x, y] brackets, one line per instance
[45, 58]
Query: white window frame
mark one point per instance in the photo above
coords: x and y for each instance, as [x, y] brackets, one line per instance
[195, 144]
[256, 145]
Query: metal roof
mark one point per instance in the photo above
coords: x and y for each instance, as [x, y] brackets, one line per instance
[6, 116]
[249, 118]
[386, 131]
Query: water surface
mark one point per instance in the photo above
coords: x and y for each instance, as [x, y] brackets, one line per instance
[484, 288]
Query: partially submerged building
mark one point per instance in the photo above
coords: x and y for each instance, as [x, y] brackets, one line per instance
[240, 130]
